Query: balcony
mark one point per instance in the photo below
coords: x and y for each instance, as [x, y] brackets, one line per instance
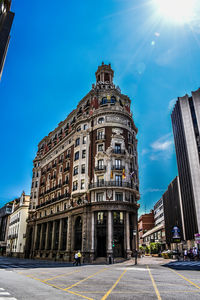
[100, 137]
[118, 168]
[118, 151]
[66, 182]
[67, 155]
[104, 184]
[66, 169]
[50, 201]
[100, 168]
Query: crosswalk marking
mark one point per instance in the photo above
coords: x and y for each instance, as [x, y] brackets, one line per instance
[6, 294]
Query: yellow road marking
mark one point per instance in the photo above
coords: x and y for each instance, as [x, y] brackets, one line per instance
[114, 285]
[57, 287]
[197, 286]
[75, 284]
[66, 274]
[154, 284]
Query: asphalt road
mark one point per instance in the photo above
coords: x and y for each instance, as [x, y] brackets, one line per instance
[150, 279]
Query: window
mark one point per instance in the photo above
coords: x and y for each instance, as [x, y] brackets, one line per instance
[85, 126]
[101, 120]
[118, 196]
[82, 184]
[104, 101]
[100, 135]
[75, 185]
[83, 153]
[100, 180]
[112, 100]
[117, 164]
[76, 170]
[78, 129]
[76, 156]
[100, 197]
[58, 209]
[100, 147]
[100, 164]
[33, 174]
[118, 179]
[32, 184]
[65, 206]
[61, 169]
[84, 139]
[77, 142]
[83, 169]
[117, 148]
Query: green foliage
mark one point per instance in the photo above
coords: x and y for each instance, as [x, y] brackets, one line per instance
[141, 248]
[155, 248]
[147, 249]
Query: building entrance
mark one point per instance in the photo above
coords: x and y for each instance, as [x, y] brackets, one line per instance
[101, 234]
[78, 234]
[118, 234]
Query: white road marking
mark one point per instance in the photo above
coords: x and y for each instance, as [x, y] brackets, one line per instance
[4, 294]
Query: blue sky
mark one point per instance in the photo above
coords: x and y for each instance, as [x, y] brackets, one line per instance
[54, 51]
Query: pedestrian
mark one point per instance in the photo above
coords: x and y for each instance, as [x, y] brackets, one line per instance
[79, 258]
[75, 259]
[185, 255]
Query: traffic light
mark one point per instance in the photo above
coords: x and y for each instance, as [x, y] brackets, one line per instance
[113, 243]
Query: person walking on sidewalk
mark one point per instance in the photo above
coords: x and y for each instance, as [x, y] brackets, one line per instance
[75, 259]
[79, 258]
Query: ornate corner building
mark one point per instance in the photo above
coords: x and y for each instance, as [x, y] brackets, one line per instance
[6, 20]
[85, 183]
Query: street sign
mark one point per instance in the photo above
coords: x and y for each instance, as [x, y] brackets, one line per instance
[176, 235]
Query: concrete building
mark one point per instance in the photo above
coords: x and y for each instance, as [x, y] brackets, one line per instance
[173, 213]
[186, 127]
[157, 233]
[85, 184]
[17, 226]
[159, 212]
[5, 212]
[6, 20]
[145, 223]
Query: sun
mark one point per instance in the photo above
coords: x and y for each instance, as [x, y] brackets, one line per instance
[179, 11]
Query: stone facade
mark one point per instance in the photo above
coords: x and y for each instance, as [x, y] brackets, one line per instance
[87, 185]
[17, 227]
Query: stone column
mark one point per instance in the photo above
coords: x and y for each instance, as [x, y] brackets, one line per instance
[69, 237]
[41, 232]
[59, 239]
[128, 250]
[60, 234]
[47, 236]
[92, 238]
[53, 236]
[110, 236]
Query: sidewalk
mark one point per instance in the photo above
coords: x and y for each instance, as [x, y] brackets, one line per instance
[149, 260]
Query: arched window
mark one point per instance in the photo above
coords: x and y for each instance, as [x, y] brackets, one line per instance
[104, 101]
[78, 234]
[100, 120]
[113, 100]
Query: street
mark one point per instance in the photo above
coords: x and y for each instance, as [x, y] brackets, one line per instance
[152, 278]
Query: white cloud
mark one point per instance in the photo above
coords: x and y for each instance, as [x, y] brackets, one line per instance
[152, 190]
[145, 151]
[162, 146]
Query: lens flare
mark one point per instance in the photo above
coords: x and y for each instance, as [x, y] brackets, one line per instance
[179, 11]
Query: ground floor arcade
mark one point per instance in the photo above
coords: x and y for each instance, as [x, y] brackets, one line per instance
[98, 231]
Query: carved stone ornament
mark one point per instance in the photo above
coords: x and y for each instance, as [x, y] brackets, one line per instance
[109, 194]
[117, 131]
